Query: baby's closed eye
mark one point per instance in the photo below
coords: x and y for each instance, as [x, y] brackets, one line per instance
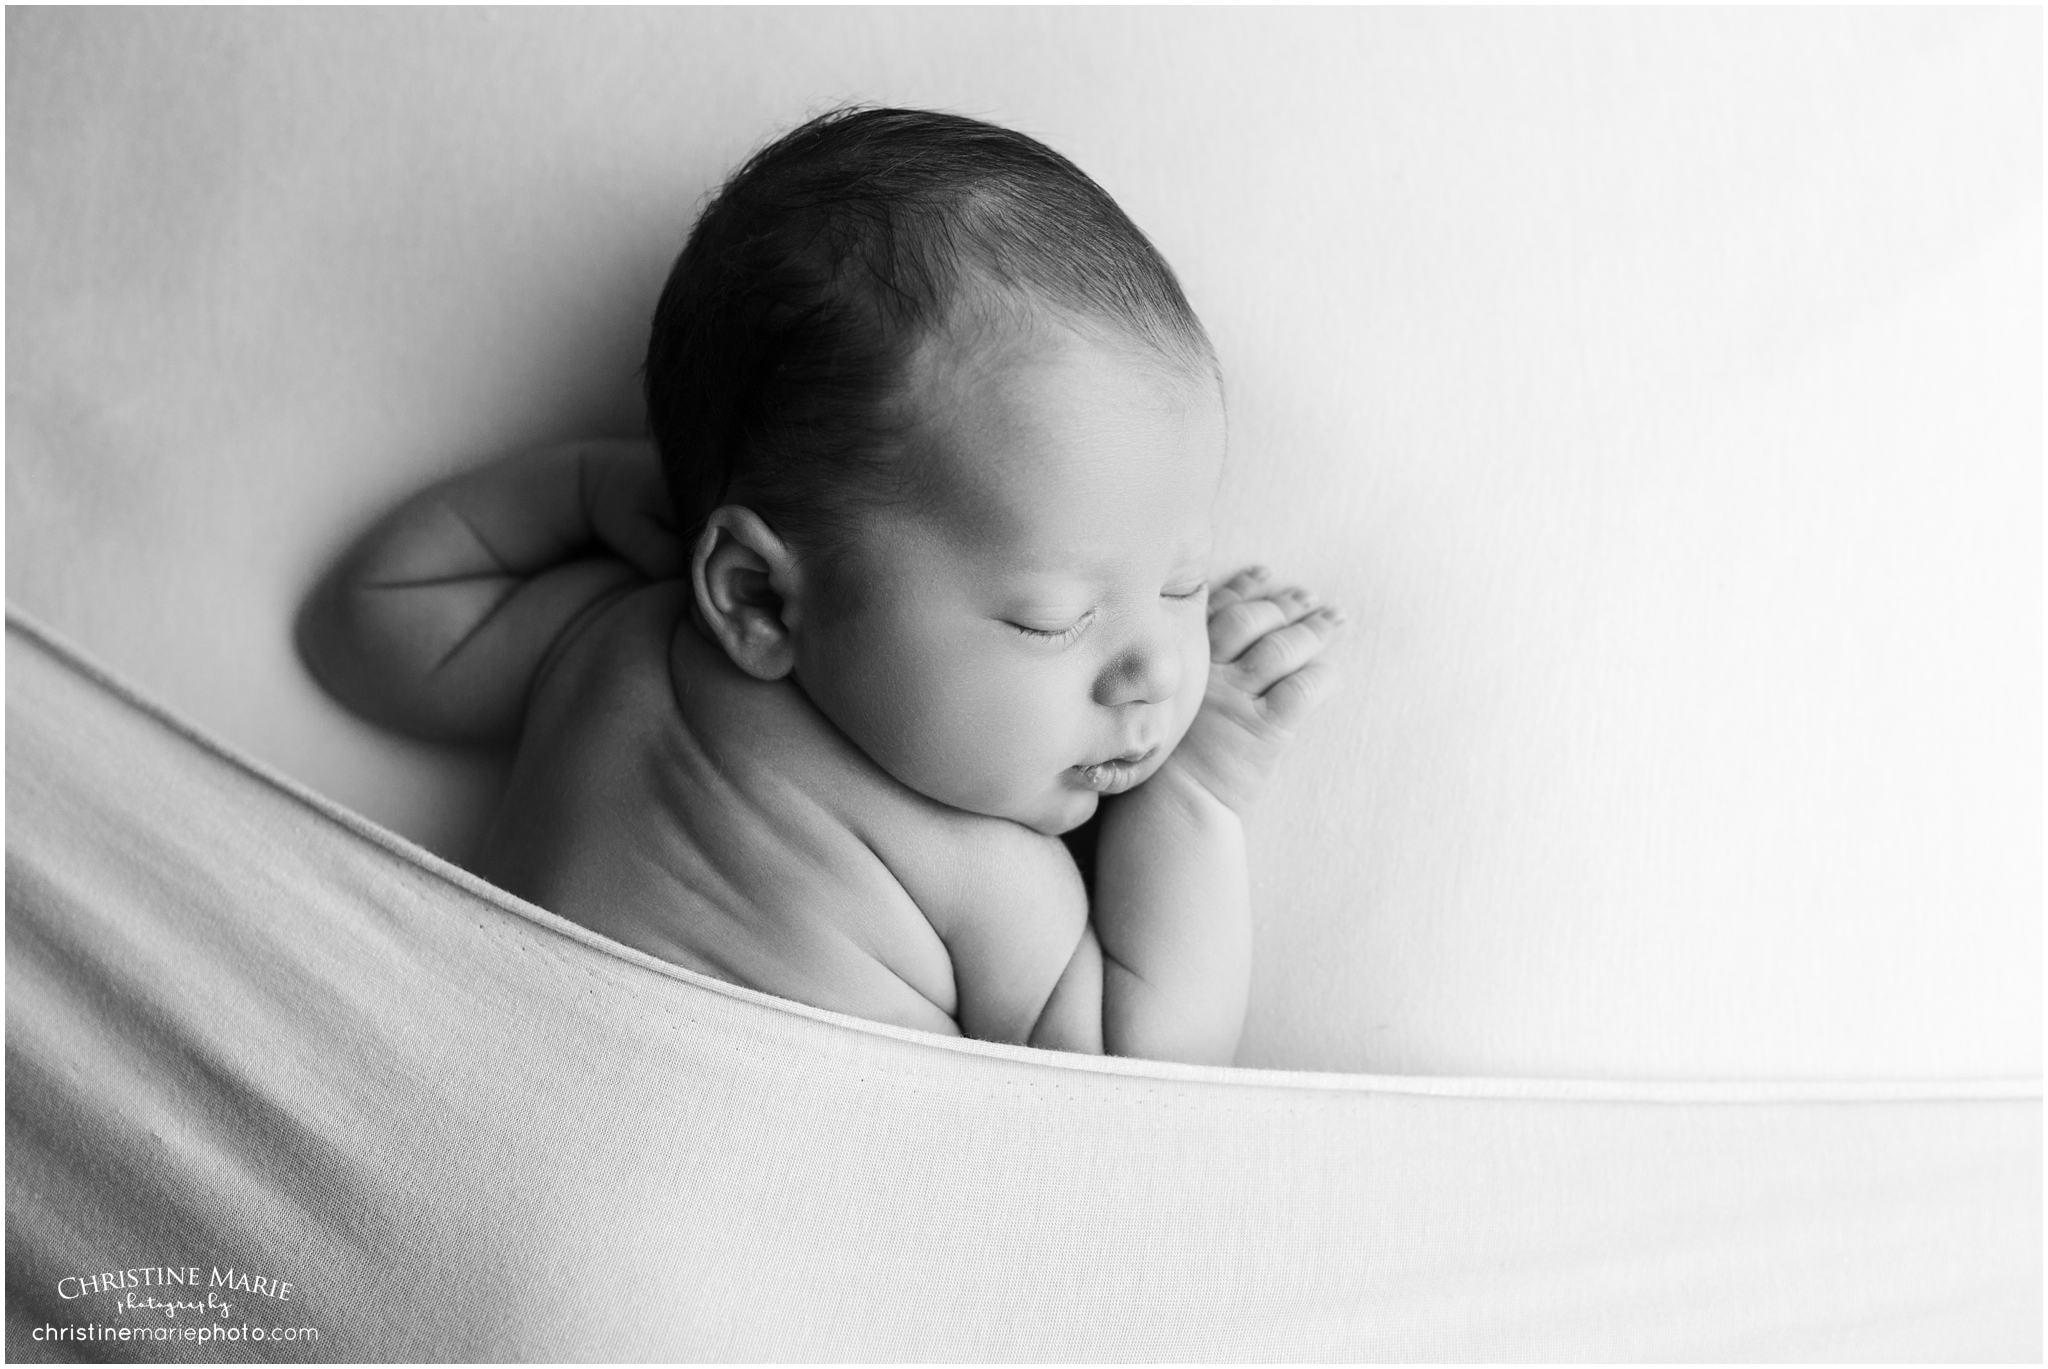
[1056, 634]
[1067, 626]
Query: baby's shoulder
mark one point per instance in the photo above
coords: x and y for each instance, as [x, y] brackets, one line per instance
[754, 776]
[669, 801]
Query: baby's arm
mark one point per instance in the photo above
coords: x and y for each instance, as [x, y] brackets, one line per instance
[437, 622]
[1171, 906]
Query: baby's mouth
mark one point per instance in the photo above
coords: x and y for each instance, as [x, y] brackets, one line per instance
[1115, 775]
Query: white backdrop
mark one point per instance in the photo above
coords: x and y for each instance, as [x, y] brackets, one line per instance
[1660, 390]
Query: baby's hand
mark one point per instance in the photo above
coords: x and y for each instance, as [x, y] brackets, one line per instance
[1266, 676]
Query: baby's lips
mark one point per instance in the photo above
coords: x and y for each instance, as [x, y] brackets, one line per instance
[1110, 777]
[1116, 775]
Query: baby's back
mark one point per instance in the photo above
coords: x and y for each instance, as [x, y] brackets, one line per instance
[668, 800]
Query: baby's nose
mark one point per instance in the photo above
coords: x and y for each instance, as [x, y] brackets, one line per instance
[1146, 672]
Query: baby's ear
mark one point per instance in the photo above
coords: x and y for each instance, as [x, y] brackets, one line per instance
[741, 573]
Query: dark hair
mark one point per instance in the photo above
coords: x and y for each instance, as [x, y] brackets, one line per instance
[781, 339]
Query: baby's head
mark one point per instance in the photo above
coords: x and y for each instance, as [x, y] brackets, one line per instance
[943, 434]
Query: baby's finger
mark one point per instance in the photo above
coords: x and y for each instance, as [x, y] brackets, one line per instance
[1233, 628]
[1279, 654]
[1227, 592]
[1296, 696]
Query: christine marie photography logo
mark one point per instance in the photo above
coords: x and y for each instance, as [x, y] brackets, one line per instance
[200, 1303]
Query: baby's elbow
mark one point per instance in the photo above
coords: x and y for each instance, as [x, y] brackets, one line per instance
[356, 655]
[1077, 1034]
[1142, 1021]
[321, 636]
[1072, 1017]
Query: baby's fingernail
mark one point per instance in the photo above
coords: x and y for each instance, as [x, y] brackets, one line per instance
[1256, 572]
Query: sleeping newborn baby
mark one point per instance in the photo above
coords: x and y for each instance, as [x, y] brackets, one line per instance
[917, 586]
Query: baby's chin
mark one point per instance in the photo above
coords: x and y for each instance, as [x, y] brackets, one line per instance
[1065, 811]
[1052, 813]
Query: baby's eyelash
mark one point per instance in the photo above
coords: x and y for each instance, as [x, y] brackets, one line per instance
[1197, 592]
[1065, 634]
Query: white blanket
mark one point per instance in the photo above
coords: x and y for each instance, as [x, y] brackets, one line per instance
[257, 1040]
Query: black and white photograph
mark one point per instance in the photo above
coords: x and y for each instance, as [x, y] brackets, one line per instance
[1053, 684]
